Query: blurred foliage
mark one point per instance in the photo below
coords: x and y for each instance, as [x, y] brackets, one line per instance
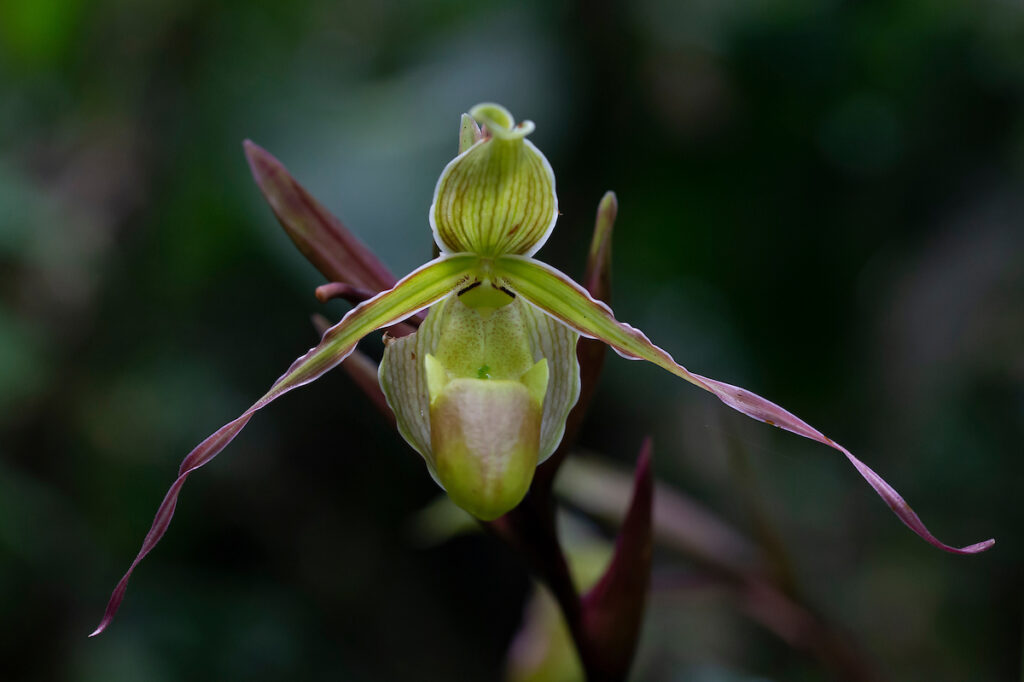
[819, 200]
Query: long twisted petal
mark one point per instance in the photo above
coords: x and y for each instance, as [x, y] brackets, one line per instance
[556, 294]
[420, 289]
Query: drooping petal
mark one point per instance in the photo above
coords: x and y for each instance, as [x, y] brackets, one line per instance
[555, 293]
[321, 237]
[416, 291]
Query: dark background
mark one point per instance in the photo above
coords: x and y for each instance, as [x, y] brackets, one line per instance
[820, 201]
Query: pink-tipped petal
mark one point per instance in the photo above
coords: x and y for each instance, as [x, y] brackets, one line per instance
[756, 407]
[556, 294]
[202, 454]
[418, 290]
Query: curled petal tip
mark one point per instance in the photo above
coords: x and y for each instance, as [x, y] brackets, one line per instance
[499, 122]
[976, 548]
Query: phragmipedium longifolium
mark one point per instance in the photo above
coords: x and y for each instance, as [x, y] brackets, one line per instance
[482, 389]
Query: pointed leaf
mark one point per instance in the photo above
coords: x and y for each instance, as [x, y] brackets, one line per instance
[416, 291]
[321, 237]
[556, 294]
[612, 611]
[597, 279]
[590, 353]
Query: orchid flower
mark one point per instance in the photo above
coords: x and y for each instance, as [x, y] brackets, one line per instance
[483, 388]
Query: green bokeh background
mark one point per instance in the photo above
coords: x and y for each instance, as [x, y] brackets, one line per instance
[821, 201]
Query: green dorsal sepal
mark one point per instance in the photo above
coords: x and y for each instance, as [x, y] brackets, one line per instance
[497, 197]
